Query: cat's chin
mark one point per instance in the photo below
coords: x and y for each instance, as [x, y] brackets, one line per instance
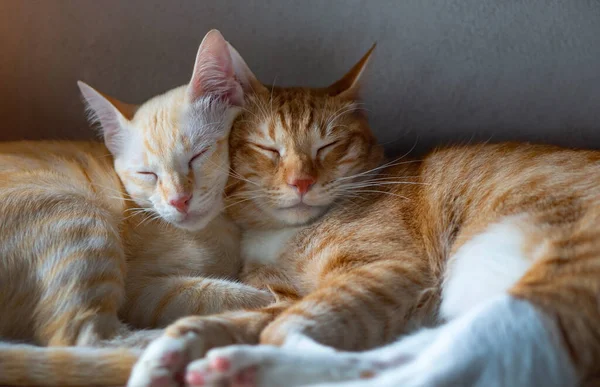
[299, 214]
[197, 220]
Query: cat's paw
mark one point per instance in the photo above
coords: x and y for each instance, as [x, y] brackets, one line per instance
[263, 365]
[163, 363]
[226, 366]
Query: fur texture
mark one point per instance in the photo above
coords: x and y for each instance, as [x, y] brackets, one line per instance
[394, 252]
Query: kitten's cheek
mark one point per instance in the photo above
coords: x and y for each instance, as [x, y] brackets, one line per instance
[141, 200]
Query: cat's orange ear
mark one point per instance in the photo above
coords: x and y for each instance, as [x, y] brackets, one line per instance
[109, 112]
[348, 86]
[213, 74]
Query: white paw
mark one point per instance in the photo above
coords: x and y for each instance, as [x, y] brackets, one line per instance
[163, 363]
[244, 365]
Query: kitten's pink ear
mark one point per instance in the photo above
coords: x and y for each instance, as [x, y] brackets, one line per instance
[243, 73]
[110, 113]
[213, 72]
[349, 85]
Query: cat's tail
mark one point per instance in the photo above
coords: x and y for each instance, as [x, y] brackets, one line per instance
[27, 365]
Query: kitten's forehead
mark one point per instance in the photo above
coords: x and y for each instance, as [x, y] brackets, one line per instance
[157, 122]
[168, 126]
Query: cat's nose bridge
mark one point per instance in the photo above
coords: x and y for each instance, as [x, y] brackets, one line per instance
[177, 185]
[300, 173]
[304, 166]
[299, 160]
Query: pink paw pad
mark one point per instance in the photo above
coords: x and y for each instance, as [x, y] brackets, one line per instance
[194, 378]
[220, 364]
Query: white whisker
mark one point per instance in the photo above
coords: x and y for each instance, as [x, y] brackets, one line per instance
[381, 192]
[370, 171]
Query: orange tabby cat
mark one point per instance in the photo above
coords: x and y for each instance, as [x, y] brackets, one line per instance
[91, 233]
[499, 244]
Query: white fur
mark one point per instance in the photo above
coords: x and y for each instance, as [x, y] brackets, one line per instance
[265, 246]
[300, 342]
[151, 365]
[484, 267]
[503, 343]
[287, 366]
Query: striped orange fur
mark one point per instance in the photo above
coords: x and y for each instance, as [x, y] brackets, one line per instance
[97, 238]
[373, 266]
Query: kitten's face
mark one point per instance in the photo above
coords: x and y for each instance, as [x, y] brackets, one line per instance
[172, 152]
[293, 151]
[175, 159]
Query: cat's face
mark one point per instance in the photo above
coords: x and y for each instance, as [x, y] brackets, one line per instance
[176, 158]
[172, 152]
[294, 150]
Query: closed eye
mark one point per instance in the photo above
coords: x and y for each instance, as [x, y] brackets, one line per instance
[266, 148]
[197, 155]
[326, 147]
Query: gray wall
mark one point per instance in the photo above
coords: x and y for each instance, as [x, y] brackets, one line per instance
[444, 70]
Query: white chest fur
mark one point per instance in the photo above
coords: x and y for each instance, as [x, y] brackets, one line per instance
[266, 246]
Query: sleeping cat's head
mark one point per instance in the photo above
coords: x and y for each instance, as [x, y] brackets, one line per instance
[293, 150]
[172, 152]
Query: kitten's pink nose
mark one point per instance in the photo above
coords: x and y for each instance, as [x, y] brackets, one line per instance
[302, 185]
[181, 202]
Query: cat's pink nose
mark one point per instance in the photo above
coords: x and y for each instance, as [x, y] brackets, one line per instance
[302, 185]
[181, 202]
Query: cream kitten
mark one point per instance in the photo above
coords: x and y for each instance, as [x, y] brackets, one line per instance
[98, 235]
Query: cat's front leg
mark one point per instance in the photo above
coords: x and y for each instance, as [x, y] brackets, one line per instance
[164, 362]
[158, 301]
